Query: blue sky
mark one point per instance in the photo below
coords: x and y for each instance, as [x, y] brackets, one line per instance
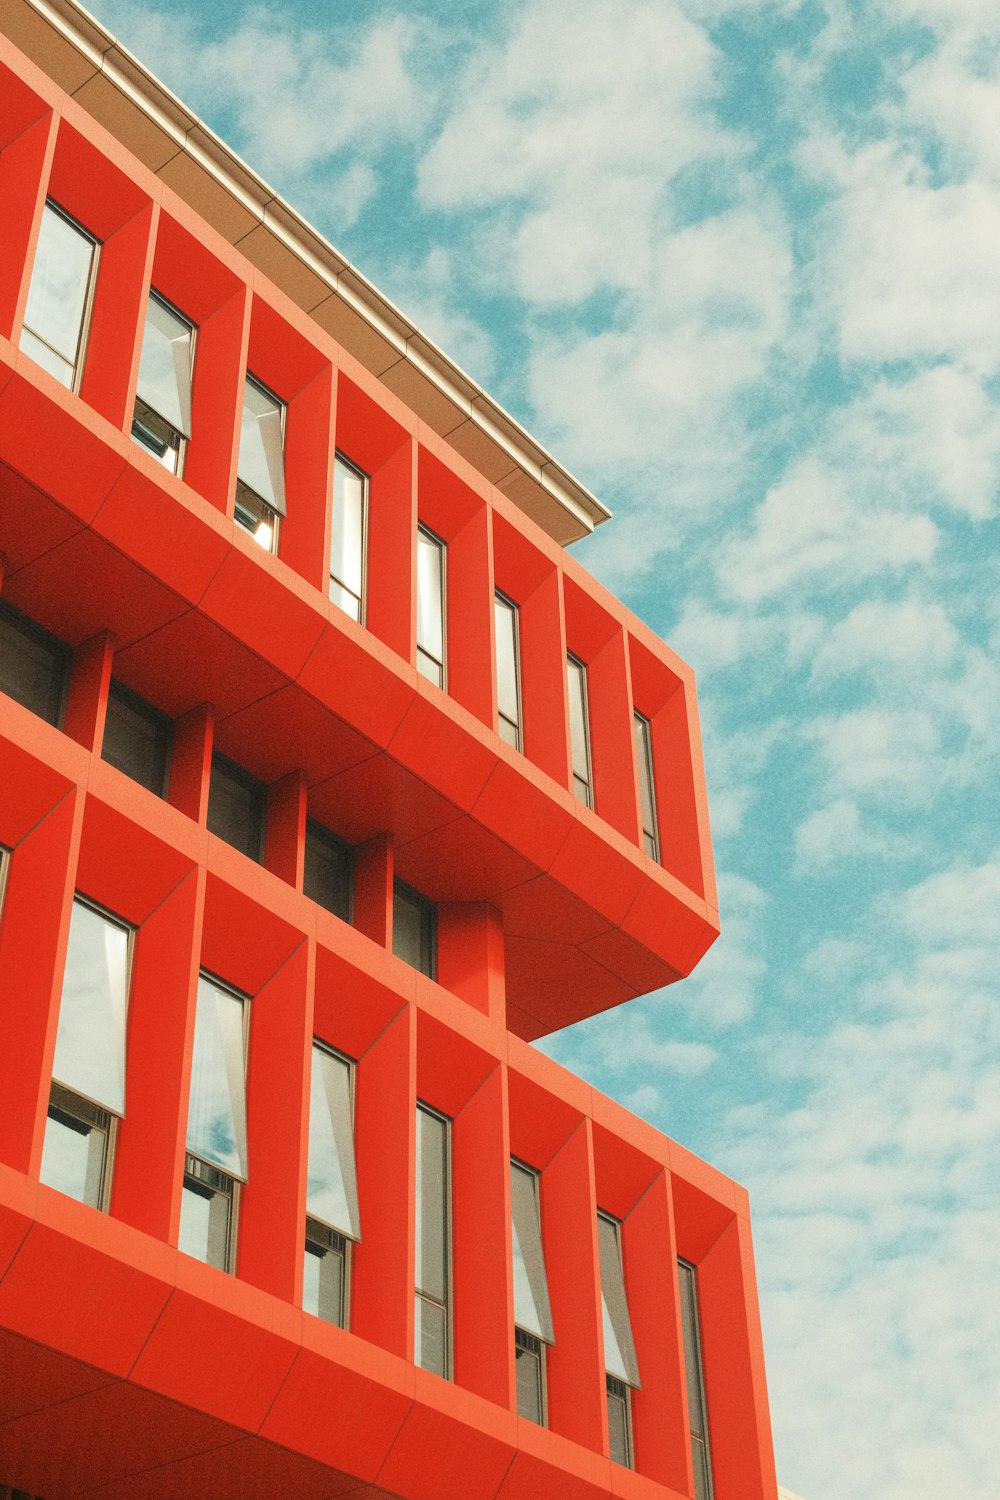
[737, 262]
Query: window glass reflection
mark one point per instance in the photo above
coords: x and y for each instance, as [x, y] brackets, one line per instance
[261, 462]
[531, 1292]
[347, 537]
[431, 1348]
[332, 1193]
[57, 297]
[165, 364]
[430, 606]
[576, 677]
[508, 676]
[90, 1041]
[217, 1123]
[619, 1347]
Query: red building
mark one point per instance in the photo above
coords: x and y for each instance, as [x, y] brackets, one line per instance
[328, 781]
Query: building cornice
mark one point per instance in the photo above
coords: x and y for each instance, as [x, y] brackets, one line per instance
[107, 80]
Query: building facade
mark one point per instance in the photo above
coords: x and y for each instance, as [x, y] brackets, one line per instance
[329, 780]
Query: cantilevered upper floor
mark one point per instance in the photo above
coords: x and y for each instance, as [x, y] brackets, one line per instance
[314, 555]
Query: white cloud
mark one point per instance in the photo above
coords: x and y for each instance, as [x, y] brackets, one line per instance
[875, 1205]
[813, 530]
[837, 832]
[888, 753]
[907, 266]
[303, 100]
[901, 643]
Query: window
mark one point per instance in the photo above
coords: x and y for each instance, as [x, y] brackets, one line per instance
[88, 1074]
[236, 803]
[620, 1363]
[161, 421]
[328, 877]
[647, 796]
[508, 670]
[137, 739]
[432, 1339]
[215, 1162]
[260, 472]
[414, 929]
[349, 538]
[532, 1313]
[579, 732]
[700, 1455]
[34, 665]
[59, 297]
[332, 1219]
[431, 552]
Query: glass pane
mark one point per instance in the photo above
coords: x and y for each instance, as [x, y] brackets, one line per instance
[329, 869]
[431, 1338]
[217, 1120]
[262, 461]
[63, 370]
[531, 1293]
[618, 1429]
[347, 538]
[430, 596]
[505, 615]
[692, 1348]
[90, 1042]
[413, 929]
[644, 762]
[32, 667]
[576, 676]
[136, 740]
[528, 1377]
[702, 1473]
[73, 1156]
[323, 1282]
[236, 809]
[60, 279]
[509, 733]
[432, 1205]
[206, 1219]
[165, 364]
[619, 1348]
[343, 599]
[332, 1193]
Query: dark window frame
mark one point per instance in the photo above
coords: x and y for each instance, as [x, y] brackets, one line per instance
[250, 783]
[60, 653]
[161, 723]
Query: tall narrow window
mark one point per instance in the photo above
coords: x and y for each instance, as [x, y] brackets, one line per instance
[532, 1313]
[260, 472]
[88, 1075]
[620, 1364]
[647, 795]
[579, 731]
[34, 665]
[414, 929]
[508, 670]
[700, 1452]
[161, 421]
[215, 1162]
[432, 1339]
[137, 739]
[59, 297]
[236, 807]
[332, 1219]
[431, 614]
[328, 877]
[348, 538]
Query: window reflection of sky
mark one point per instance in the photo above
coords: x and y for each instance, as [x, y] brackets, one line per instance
[332, 1194]
[217, 1126]
[90, 1042]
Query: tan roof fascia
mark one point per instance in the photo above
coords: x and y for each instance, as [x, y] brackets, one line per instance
[151, 121]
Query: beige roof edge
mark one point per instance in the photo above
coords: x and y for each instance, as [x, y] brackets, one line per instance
[543, 489]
